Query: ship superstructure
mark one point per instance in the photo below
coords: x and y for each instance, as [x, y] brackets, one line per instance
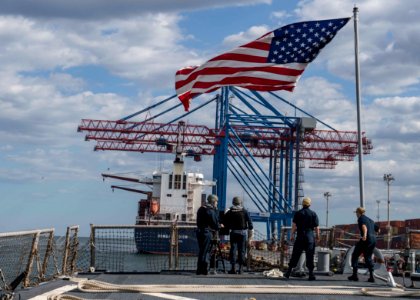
[175, 196]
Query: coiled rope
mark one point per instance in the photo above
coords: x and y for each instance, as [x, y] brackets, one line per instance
[273, 273]
[94, 286]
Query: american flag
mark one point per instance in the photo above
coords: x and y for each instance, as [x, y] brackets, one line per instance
[273, 62]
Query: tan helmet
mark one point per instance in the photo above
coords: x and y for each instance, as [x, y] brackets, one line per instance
[360, 210]
[306, 201]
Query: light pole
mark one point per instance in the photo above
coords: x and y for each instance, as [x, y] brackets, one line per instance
[388, 178]
[378, 201]
[327, 195]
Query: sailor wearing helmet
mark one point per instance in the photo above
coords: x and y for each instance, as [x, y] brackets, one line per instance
[305, 222]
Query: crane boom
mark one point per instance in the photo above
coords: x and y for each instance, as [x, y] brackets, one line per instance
[323, 147]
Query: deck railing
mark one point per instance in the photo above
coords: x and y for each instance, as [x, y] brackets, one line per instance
[28, 258]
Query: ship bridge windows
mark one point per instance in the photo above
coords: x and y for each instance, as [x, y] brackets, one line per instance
[177, 182]
[170, 181]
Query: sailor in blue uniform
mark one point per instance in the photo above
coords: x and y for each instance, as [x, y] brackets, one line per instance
[305, 222]
[207, 226]
[365, 245]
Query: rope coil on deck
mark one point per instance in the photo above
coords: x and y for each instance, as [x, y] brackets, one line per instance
[273, 273]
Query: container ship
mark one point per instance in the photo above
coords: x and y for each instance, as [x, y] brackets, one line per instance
[171, 197]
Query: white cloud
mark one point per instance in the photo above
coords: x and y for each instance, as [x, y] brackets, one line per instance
[240, 38]
[100, 9]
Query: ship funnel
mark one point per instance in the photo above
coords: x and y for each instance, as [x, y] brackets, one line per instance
[178, 167]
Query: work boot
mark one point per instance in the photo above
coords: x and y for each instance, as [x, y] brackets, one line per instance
[233, 269]
[371, 278]
[311, 276]
[353, 277]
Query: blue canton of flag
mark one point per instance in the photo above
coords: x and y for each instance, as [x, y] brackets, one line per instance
[301, 42]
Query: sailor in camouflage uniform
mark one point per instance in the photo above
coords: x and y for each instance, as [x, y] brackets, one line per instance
[238, 221]
[207, 227]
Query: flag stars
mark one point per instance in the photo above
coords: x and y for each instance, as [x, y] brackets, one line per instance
[302, 41]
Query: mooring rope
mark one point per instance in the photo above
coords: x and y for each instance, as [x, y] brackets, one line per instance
[390, 292]
[63, 297]
[94, 286]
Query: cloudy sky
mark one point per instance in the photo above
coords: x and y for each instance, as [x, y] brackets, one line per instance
[64, 61]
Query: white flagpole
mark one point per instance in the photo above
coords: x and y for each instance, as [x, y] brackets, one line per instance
[359, 130]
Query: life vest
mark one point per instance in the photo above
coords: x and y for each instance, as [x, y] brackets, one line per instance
[236, 219]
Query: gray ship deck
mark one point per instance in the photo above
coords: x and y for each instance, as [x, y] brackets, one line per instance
[218, 286]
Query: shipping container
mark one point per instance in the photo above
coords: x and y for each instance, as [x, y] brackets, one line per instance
[412, 223]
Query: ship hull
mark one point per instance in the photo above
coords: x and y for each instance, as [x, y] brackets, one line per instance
[157, 240]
